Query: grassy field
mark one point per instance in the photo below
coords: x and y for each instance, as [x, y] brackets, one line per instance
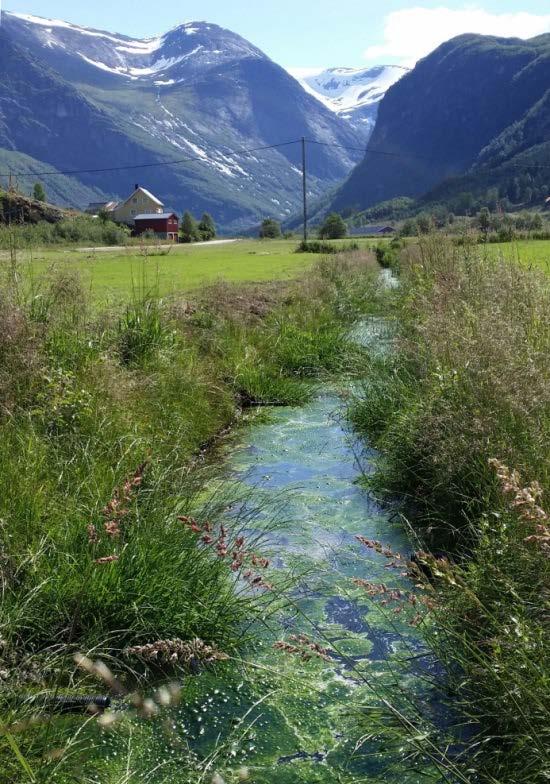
[110, 275]
[531, 253]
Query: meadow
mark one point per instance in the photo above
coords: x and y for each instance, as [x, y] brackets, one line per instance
[111, 275]
[530, 253]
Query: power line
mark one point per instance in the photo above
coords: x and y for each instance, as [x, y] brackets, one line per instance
[366, 150]
[372, 151]
[250, 151]
[134, 167]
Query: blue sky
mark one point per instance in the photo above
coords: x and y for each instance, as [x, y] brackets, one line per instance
[312, 35]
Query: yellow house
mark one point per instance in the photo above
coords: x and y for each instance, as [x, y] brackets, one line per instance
[141, 202]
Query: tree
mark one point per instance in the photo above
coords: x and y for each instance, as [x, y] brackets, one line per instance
[104, 215]
[410, 228]
[484, 220]
[464, 203]
[425, 223]
[440, 215]
[38, 192]
[536, 222]
[207, 227]
[189, 231]
[270, 229]
[334, 227]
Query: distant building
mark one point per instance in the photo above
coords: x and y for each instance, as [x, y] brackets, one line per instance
[95, 207]
[165, 225]
[141, 202]
[370, 231]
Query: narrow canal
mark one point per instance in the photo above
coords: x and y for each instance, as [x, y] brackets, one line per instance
[289, 717]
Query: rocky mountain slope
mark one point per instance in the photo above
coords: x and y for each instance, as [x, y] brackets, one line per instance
[354, 93]
[61, 190]
[476, 108]
[85, 100]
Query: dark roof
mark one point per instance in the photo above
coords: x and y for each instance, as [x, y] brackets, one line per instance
[371, 229]
[156, 216]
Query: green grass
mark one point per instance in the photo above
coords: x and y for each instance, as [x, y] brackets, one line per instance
[111, 275]
[468, 383]
[87, 396]
[530, 253]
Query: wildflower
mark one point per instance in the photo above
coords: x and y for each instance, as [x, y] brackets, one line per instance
[107, 559]
[525, 502]
[107, 720]
[304, 647]
[115, 509]
[149, 709]
[112, 529]
[177, 651]
[163, 697]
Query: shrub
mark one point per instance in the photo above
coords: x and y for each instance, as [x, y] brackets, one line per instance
[82, 229]
[388, 254]
[207, 228]
[270, 229]
[316, 246]
[189, 231]
[334, 227]
[141, 331]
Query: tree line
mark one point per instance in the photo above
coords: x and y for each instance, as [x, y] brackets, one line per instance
[192, 230]
[333, 228]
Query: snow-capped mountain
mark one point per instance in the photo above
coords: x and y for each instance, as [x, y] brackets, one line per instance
[82, 99]
[354, 93]
[185, 49]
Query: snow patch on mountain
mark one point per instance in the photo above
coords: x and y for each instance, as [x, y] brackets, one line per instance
[347, 89]
[196, 43]
[137, 46]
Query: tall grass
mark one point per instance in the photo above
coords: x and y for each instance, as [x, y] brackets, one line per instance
[468, 383]
[103, 416]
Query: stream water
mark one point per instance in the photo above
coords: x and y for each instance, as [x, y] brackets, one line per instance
[285, 719]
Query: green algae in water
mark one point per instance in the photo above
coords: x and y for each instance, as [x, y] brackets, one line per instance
[285, 719]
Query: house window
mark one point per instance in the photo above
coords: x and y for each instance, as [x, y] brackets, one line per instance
[135, 201]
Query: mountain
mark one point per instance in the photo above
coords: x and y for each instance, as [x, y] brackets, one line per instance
[61, 190]
[466, 116]
[81, 100]
[354, 93]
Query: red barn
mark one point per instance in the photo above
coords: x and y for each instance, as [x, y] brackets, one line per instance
[166, 225]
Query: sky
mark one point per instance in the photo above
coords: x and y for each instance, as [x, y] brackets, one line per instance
[309, 36]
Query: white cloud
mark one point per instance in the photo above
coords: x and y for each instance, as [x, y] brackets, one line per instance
[415, 32]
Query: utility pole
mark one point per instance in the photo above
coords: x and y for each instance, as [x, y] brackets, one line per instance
[304, 182]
